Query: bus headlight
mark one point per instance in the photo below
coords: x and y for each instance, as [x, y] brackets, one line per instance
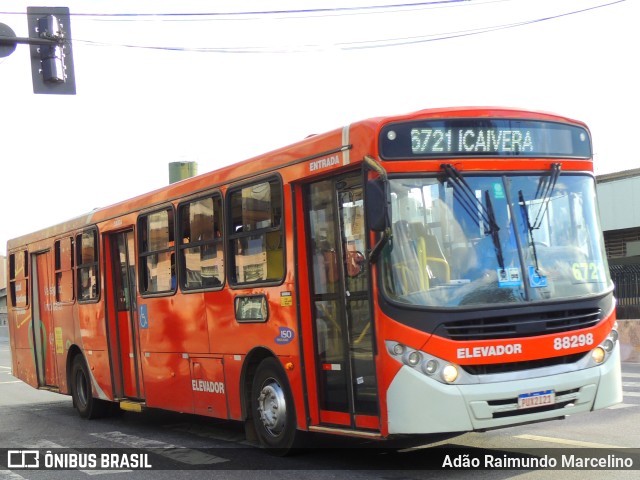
[608, 345]
[603, 351]
[430, 367]
[398, 349]
[450, 373]
[414, 358]
[598, 355]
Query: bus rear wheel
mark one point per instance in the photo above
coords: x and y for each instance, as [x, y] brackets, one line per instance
[272, 407]
[87, 406]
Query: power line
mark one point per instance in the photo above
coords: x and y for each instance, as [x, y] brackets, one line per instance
[262, 12]
[357, 45]
[395, 42]
[290, 14]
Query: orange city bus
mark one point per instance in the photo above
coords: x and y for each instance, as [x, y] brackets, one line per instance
[436, 272]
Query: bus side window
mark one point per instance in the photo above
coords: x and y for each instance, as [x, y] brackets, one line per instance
[87, 255]
[256, 239]
[19, 279]
[201, 259]
[64, 270]
[157, 252]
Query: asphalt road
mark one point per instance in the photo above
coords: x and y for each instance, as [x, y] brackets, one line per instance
[185, 446]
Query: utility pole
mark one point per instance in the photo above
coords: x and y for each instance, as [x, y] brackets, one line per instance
[49, 39]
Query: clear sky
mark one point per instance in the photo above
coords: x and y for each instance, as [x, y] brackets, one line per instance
[256, 75]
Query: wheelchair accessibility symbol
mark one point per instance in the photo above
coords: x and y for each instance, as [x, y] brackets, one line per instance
[144, 319]
[535, 279]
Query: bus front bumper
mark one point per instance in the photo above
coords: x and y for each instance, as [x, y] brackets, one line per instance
[418, 404]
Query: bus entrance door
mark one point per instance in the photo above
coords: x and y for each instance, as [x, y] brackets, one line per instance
[344, 345]
[124, 343]
[42, 325]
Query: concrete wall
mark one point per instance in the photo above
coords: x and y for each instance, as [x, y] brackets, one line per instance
[629, 340]
[614, 191]
[3, 312]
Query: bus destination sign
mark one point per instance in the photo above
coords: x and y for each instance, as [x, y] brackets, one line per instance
[483, 138]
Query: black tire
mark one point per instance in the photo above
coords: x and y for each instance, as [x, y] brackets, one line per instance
[274, 416]
[87, 406]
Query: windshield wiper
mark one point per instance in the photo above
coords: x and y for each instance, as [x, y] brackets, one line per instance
[493, 230]
[469, 202]
[530, 229]
[544, 191]
[474, 207]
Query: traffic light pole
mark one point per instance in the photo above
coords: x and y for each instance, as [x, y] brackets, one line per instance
[29, 41]
[49, 40]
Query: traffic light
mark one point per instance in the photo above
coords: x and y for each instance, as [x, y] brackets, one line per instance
[7, 46]
[52, 60]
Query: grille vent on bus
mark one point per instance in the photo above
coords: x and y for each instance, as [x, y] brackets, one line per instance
[511, 326]
[506, 367]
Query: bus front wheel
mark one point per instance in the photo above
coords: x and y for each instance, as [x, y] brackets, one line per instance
[87, 406]
[272, 407]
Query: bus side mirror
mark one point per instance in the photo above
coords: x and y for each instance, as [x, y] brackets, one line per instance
[377, 205]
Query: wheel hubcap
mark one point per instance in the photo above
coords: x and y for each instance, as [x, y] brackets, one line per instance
[272, 407]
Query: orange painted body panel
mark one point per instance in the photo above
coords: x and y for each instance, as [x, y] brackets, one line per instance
[177, 323]
[232, 377]
[92, 336]
[167, 379]
[335, 418]
[208, 385]
[24, 366]
[21, 335]
[294, 375]
[96, 361]
[367, 422]
[127, 357]
[306, 320]
[46, 295]
[91, 326]
[64, 337]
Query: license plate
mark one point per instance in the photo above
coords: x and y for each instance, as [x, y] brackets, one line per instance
[536, 399]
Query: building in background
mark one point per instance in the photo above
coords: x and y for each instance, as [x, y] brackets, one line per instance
[3, 271]
[3, 296]
[182, 170]
[619, 203]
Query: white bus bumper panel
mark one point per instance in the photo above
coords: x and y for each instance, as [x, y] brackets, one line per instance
[419, 404]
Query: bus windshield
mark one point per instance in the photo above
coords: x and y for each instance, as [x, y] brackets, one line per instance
[467, 239]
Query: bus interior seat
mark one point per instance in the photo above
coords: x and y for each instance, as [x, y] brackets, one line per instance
[404, 259]
[275, 255]
[432, 260]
